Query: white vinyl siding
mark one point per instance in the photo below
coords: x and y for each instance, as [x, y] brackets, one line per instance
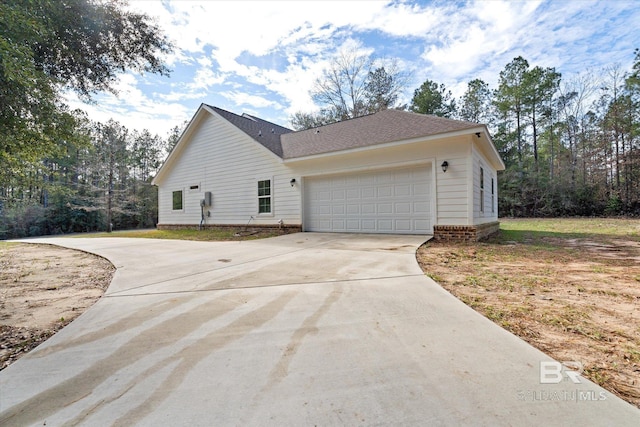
[483, 195]
[452, 193]
[228, 163]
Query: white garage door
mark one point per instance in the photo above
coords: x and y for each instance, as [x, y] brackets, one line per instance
[386, 201]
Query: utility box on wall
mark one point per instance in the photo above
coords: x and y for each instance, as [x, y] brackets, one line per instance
[208, 198]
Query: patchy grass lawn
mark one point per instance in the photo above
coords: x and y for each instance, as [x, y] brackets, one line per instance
[570, 287]
[207, 234]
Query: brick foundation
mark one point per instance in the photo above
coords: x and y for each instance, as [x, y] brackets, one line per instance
[284, 229]
[464, 233]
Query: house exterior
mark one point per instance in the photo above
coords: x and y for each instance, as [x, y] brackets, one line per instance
[389, 172]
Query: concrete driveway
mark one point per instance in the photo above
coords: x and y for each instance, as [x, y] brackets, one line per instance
[303, 329]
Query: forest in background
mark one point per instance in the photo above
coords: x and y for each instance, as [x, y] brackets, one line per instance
[571, 145]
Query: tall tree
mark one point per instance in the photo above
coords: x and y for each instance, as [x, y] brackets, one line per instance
[353, 85]
[571, 106]
[342, 86]
[509, 99]
[112, 169]
[433, 98]
[540, 85]
[50, 45]
[383, 87]
[614, 122]
[475, 104]
[301, 120]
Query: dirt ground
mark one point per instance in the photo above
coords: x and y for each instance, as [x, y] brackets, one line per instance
[42, 289]
[574, 299]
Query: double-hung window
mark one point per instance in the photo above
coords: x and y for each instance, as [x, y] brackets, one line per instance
[265, 199]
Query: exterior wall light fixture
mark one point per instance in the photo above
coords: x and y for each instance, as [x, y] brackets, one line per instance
[445, 166]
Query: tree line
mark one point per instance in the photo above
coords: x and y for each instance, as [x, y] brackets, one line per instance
[59, 172]
[99, 181]
[571, 147]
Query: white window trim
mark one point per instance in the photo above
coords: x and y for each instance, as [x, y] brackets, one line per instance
[271, 187]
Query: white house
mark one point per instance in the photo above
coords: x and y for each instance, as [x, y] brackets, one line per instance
[388, 172]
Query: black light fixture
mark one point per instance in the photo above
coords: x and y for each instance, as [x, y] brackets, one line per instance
[445, 166]
[292, 182]
[478, 134]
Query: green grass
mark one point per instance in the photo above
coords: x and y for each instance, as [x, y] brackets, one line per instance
[538, 231]
[207, 234]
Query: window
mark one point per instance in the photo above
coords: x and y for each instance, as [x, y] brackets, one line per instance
[481, 189]
[177, 200]
[264, 196]
[493, 198]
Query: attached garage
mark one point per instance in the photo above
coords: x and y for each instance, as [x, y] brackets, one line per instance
[395, 201]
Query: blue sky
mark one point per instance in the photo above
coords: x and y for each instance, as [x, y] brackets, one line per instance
[262, 57]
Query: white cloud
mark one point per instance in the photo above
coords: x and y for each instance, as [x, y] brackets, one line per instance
[242, 98]
[204, 78]
[132, 108]
[180, 96]
[219, 45]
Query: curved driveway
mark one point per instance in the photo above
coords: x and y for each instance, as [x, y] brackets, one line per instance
[303, 329]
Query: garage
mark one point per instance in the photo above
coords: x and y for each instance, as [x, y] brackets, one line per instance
[393, 201]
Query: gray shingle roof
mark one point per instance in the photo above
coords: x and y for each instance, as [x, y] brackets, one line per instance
[262, 131]
[379, 128]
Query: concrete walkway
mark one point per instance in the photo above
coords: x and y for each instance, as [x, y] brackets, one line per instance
[304, 329]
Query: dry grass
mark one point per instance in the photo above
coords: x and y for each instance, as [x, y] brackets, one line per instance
[570, 287]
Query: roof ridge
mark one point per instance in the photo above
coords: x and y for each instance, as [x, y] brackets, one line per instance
[247, 116]
[434, 116]
[386, 111]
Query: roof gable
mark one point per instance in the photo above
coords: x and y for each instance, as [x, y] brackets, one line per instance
[263, 132]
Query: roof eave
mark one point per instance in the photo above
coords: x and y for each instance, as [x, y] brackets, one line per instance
[499, 166]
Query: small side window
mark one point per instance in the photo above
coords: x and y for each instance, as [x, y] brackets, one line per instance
[177, 200]
[481, 189]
